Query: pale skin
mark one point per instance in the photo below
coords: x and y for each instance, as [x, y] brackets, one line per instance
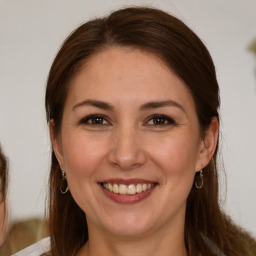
[127, 116]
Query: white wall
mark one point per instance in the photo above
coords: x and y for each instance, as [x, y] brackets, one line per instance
[30, 34]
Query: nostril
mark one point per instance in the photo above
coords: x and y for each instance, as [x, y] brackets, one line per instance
[126, 151]
[127, 160]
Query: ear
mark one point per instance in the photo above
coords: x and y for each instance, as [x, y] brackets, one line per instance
[208, 145]
[56, 143]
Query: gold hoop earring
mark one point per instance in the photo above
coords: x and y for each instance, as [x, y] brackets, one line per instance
[201, 176]
[64, 184]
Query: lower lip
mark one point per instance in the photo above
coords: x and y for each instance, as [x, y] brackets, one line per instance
[128, 199]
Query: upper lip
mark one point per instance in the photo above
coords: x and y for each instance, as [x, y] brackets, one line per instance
[134, 181]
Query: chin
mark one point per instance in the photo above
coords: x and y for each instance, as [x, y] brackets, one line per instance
[126, 231]
[129, 225]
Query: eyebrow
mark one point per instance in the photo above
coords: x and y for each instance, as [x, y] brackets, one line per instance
[94, 103]
[148, 105]
[160, 104]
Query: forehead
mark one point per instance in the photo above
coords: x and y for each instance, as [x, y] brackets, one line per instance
[125, 59]
[128, 74]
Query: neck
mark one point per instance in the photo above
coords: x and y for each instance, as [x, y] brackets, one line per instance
[163, 242]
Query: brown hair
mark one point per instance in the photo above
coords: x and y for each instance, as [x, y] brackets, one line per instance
[3, 175]
[3, 191]
[171, 40]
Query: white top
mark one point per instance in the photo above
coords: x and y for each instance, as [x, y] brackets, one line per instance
[44, 246]
[215, 249]
[36, 249]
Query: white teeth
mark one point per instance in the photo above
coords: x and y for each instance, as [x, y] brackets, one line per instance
[122, 189]
[139, 188]
[115, 189]
[130, 189]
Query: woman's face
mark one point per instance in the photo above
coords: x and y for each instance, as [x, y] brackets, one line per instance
[130, 143]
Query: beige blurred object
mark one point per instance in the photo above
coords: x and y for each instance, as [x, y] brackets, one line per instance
[22, 234]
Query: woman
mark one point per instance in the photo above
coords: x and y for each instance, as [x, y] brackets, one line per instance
[132, 103]
[3, 188]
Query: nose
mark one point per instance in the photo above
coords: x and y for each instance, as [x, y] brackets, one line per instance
[127, 150]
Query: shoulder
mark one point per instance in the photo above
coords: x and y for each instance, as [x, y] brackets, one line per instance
[36, 249]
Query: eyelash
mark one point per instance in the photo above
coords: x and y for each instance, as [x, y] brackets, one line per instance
[89, 120]
[159, 120]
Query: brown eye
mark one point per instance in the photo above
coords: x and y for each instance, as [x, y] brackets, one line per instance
[160, 120]
[95, 120]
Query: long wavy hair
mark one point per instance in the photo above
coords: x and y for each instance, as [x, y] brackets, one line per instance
[167, 37]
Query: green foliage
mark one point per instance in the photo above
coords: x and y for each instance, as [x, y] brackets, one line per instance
[252, 47]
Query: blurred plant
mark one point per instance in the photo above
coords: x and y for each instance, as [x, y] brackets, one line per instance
[22, 234]
[252, 48]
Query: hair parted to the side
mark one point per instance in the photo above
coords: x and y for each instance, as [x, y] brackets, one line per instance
[183, 52]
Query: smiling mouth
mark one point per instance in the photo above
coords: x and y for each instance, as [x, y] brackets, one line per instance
[128, 189]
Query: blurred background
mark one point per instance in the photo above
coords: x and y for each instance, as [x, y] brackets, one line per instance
[31, 32]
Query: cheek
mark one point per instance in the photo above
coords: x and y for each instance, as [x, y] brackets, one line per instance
[82, 155]
[176, 155]
[82, 159]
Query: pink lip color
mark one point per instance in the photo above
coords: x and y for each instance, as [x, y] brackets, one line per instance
[127, 181]
[127, 199]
